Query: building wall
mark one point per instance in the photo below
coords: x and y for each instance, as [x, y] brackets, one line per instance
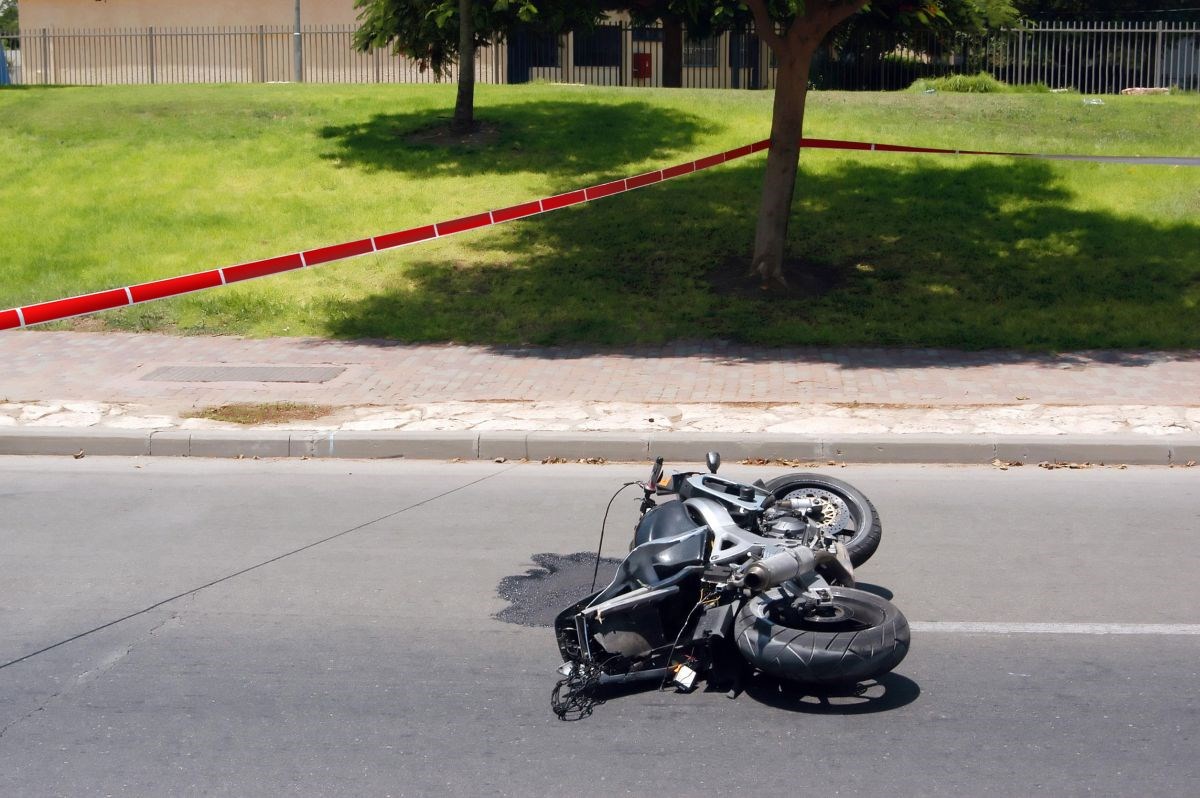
[93, 14]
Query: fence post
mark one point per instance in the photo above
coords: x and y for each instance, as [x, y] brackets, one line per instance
[1021, 58]
[297, 49]
[1158, 55]
[764, 65]
[262, 54]
[568, 56]
[45, 57]
[150, 54]
[626, 55]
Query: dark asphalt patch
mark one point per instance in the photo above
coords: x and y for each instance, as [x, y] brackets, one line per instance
[537, 596]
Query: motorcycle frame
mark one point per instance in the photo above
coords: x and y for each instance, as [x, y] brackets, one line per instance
[729, 546]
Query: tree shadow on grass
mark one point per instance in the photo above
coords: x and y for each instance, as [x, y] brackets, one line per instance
[558, 138]
[990, 255]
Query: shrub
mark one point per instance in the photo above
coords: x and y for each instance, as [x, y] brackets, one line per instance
[975, 84]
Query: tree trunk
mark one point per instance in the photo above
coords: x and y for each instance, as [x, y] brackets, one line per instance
[464, 106]
[672, 52]
[779, 181]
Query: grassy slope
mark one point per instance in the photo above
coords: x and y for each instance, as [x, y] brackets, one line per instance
[107, 186]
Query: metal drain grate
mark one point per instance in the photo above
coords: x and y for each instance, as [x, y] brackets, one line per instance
[244, 373]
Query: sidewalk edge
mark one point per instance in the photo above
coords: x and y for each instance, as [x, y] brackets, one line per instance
[611, 446]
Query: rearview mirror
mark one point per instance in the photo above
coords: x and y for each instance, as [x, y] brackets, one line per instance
[714, 461]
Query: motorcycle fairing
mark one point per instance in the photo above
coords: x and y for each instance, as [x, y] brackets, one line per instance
[622, 618]
[664, 521]
[657, 563]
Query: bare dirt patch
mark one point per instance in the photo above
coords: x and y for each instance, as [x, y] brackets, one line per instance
[263, 413]
[443, 134]
[805, 279]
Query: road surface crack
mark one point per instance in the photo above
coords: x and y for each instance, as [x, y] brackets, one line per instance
[92, 674]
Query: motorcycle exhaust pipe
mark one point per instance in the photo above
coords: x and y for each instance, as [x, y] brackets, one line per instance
[779, 568]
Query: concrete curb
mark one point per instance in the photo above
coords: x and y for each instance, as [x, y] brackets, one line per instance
[617, 446]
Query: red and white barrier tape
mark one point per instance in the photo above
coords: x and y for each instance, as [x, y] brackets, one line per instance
[175, 286]
[1148, 160]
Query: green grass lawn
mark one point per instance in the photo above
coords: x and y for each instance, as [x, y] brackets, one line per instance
[101, 187]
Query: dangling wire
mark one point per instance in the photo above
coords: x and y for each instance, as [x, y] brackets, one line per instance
[678, 637]
[574, 697]
[596, 570]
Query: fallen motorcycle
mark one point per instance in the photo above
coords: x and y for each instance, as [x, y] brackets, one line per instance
[726, 577]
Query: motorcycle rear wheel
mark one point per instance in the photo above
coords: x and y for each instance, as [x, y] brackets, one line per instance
[857, 636]
[842, 503]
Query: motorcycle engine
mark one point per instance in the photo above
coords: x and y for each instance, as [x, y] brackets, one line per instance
[787, 527]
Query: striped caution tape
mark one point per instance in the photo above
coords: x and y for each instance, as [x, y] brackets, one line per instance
[84, 304]
[1148, 160]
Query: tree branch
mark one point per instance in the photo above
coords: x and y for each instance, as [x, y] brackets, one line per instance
[820, 17]
[765, 26]
[845, 9]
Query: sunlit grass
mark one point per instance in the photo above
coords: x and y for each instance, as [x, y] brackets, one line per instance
[102, 187]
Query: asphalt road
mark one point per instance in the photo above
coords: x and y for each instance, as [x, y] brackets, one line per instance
[370, 663]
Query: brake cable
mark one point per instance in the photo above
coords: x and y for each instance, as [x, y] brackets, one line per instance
[603, 523]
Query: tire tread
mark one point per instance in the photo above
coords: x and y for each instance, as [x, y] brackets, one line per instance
[826, 658]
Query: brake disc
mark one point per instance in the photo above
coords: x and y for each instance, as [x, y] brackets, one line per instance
[831, 513]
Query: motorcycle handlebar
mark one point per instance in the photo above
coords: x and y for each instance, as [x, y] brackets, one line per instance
[656, 471]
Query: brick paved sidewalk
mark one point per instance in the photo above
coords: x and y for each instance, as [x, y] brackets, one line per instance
[122, 394]
[166, 372]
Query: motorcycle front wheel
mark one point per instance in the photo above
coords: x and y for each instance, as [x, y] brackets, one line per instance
[857, 636]
[843, 510]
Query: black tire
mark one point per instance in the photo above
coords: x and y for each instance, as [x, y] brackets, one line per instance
[861, 531]
[859, 636]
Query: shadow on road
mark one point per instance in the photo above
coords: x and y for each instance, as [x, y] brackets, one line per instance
[888, 692]
[878, 590]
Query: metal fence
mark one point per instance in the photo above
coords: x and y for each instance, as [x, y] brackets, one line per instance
[1092, 57]
[1098, 57]
[259, 54]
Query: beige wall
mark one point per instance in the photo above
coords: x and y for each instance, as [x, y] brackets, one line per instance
[90, 14]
